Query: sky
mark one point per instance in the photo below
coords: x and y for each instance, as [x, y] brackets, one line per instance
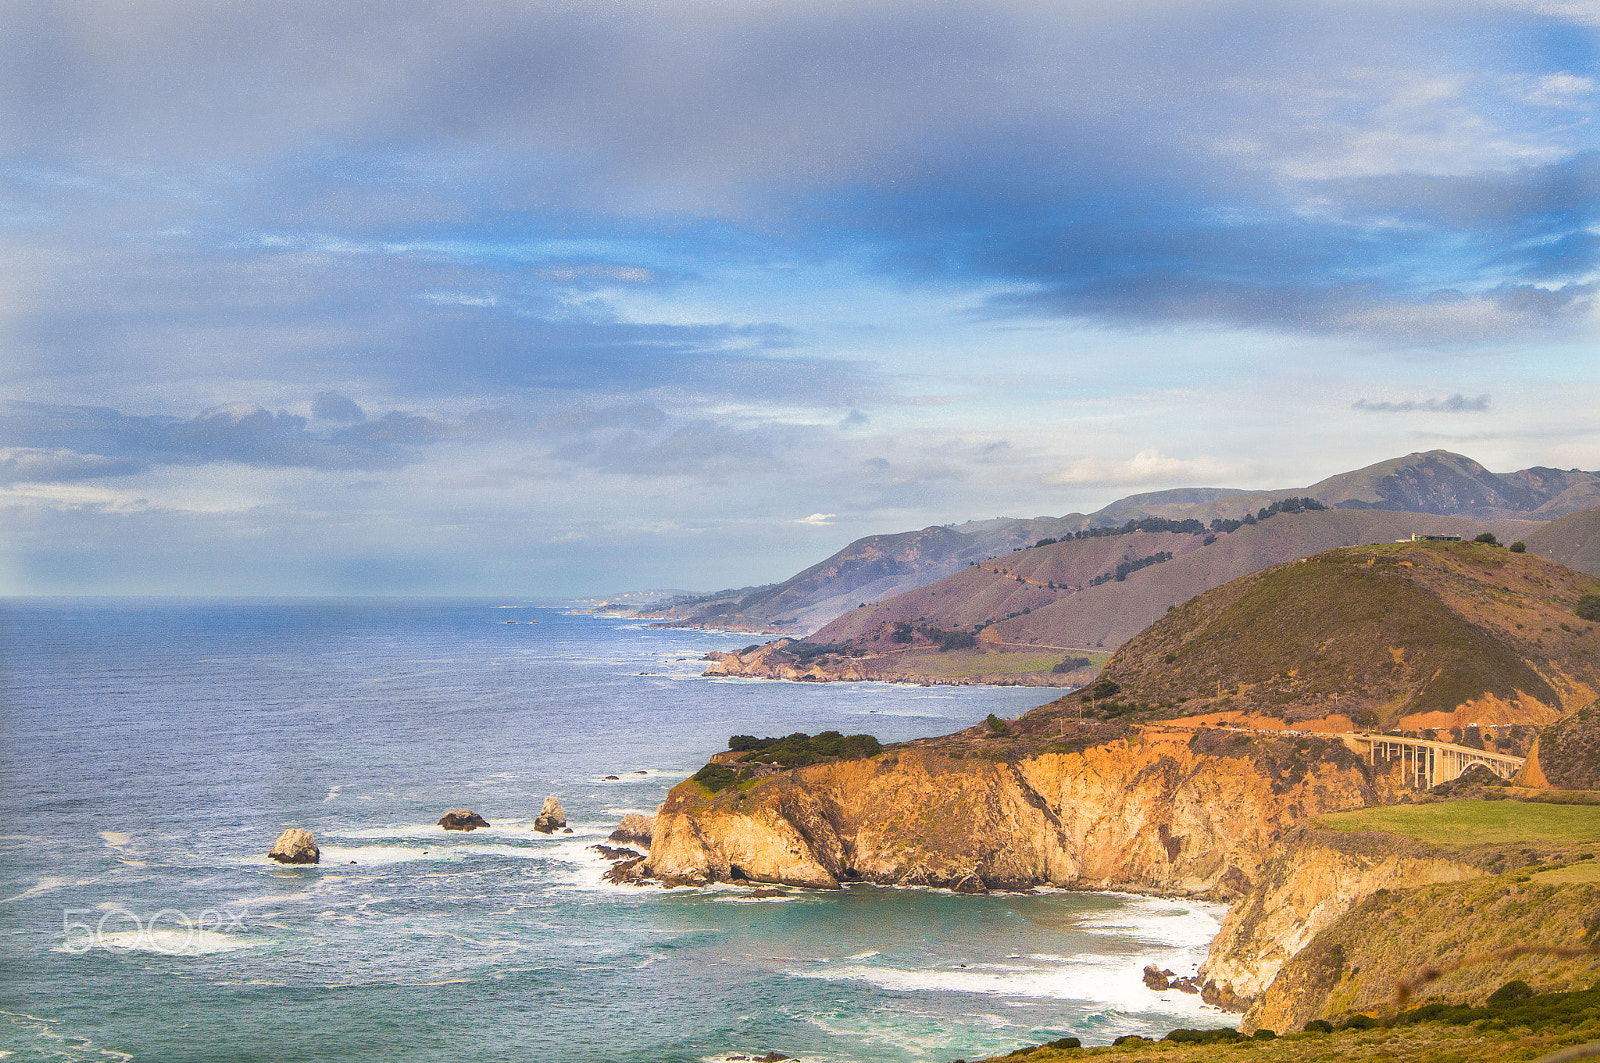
[565, 298]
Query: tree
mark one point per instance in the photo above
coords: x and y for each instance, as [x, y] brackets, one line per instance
[1487, 539]
[1519, 547]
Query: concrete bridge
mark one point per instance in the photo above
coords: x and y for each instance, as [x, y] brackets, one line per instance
[1427, 764]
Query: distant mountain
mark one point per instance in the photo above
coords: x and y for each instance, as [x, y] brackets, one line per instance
[1573, 541]
[879, 567]
[1414, 636]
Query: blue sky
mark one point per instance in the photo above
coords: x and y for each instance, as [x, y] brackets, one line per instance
[554, 299]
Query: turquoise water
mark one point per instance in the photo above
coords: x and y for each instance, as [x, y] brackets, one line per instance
[151, 750]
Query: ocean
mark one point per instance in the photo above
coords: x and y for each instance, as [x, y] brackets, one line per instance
[151, 750]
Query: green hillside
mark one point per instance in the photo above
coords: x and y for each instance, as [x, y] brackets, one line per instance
[1375, 634]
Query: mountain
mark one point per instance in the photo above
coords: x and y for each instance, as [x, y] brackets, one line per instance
[879, 567]
[1411, 635]
[1573, 541]
[1066, 598]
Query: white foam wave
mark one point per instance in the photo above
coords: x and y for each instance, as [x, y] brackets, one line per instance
[44, 885]
[163, 942]
[1114, 983]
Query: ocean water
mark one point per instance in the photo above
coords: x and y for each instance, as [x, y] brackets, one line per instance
[152, 750]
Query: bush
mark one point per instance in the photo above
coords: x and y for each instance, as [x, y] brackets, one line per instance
[1318, 1026]
[1359, 1021]
[1511, 991]
[1487, 539]
[1265, 1034]
[716, 777]
[800, 749]
[1588, 607]
[1225, 1036]
[997, 725]
[1130, 1039]
[1519, 547]
[1070, 664]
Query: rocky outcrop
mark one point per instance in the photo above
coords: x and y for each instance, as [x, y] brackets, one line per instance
[550, 818]
[1567, 755]
[462, 819]
[1314, 879]
[295, 846]
[633, 830]
[1160, 812]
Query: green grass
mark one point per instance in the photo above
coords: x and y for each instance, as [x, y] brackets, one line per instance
[976, 662]
[1475, 822]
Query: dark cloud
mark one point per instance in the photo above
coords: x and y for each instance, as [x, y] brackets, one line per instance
[332, 406]
[77, 442]
[1457, 403]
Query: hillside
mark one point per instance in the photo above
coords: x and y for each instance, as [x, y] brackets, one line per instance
[1412, 635]
[878, 567]
[1573, 541]
[1024, 606]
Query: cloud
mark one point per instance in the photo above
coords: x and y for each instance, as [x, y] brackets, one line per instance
[1457, 403]
[1149, 467]
[34, 465]
[332, 406]
[52, 443]
[817, 519]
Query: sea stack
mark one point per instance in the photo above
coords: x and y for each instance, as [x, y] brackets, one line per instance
[295, 846]
[634, 829]
[462, 819]
[551, 818]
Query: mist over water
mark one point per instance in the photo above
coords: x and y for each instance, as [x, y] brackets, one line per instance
[152, 750]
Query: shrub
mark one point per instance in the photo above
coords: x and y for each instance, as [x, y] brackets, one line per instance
[716, 777]
[1519, 547]
[1588, 607]
[1318, 1026]
[1130, 1039]
[1105, 688]
[901, 632]
[1070, 664]
[1171, 658]
[800, 749]
[1511, 991]
[997, 725]
[1265, 1034]
[1487, 539]
[1359, 1021]
[1225, 1036]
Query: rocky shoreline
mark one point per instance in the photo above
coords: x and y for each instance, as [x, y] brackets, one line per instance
[1098, 806]
[765, 662]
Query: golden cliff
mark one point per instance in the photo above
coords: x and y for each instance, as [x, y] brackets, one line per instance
[1155, 810]
[1314, 880]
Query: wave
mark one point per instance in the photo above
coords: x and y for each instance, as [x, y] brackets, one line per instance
[161, 942]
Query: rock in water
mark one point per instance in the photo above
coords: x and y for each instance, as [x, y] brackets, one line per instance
[462, 819]
[1155, 978]
[551, 817]
[633, 830]
[295, 846]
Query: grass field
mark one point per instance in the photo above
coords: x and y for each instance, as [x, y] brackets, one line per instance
[1476, 822]
[976, 662]
[1587, 871]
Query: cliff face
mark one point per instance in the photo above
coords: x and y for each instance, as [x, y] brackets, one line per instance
[1154, 812]
[1315, 878]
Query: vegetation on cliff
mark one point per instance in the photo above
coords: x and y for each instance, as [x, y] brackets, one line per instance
[1569, 750]
[1375, 634]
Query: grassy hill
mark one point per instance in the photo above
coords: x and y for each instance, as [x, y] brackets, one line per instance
[1414, 635]
[1573, 541]
[879, 567]
[1047, 599]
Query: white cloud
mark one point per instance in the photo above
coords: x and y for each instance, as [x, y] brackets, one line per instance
[817, 519]
[1151, 467]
